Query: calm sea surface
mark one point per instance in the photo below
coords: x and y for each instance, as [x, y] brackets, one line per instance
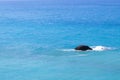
[36, 42]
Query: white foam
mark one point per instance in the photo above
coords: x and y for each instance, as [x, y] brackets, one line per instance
[95, 48]
[100, 48]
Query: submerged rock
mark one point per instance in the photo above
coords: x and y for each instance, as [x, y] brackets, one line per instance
[83, 48]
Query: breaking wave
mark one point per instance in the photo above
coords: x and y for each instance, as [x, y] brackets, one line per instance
[100, 48]
[94, 48]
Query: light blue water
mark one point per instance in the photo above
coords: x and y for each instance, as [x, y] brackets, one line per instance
[32, 39]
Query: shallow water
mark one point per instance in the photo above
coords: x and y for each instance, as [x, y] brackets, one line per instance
[36, 43]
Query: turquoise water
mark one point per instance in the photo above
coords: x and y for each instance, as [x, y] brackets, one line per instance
[36, 42]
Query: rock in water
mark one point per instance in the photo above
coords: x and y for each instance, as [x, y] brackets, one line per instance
[83, 48]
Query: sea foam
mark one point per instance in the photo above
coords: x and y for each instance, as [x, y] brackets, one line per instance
[94, 48]
[100, 48]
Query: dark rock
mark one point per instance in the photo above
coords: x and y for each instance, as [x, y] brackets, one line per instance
[83, 48]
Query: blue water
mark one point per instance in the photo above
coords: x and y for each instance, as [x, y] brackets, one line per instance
[33, 39]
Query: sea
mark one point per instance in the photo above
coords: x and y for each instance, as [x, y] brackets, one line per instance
[37, 42]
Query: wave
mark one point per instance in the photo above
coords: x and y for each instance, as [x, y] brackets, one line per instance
[94, 48]
[100, 48]
[69, 50]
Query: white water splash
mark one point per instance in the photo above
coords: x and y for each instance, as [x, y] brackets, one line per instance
[94, 48]
[100, 48]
